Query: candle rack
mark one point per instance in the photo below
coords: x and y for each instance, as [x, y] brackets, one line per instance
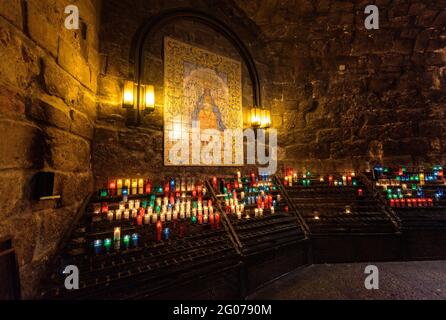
[179, 242]
[416, 195]
[269, 235]
[336, 203]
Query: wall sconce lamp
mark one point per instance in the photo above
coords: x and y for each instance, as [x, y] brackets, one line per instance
[149, 100]
[266, 119]
[260, 118]
[146, 97]
[128, 95]
[256, 117]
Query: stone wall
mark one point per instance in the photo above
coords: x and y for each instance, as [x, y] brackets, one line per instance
[343, 95]
[48, 81]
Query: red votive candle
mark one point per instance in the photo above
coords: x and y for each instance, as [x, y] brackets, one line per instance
[139, 220]
[430, 202]
[214, 182]
[211, 220]
[148, 187]
[159, 229]
[217, 220]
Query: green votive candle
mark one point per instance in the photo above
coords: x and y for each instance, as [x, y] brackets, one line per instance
[107, 244]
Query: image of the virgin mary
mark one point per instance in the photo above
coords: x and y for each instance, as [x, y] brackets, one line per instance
[207, 112]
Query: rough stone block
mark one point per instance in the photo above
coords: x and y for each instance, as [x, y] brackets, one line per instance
[42, 30]
[12, 103]
[21, 146]
[50, 110]
[73, 63]
[12, 11]
[81, 125]
[19, 56]
[67, 152]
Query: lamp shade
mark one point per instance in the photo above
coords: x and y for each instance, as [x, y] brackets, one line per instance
[256, 117]
[128, 95]
[149, 100]
[266, 118]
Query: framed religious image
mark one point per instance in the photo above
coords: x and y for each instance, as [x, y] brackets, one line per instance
[203, 107]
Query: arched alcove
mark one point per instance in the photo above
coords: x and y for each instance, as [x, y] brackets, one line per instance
[161, 20]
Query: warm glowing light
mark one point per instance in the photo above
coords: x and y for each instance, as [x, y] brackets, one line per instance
[117, 234]
[256, 117]
[149, 101]
[128, 99]
[265, 118]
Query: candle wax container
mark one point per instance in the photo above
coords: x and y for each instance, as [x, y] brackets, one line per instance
[159, 227]
[146, 219]
[117, 234]
[107, 244]
[118, 215]
[126, 241]
[166, 234]
[104, 193]
[96, 208]
[97, 245]
[135, 239]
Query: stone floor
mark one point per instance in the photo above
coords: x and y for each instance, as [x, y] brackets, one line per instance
[397, 280]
